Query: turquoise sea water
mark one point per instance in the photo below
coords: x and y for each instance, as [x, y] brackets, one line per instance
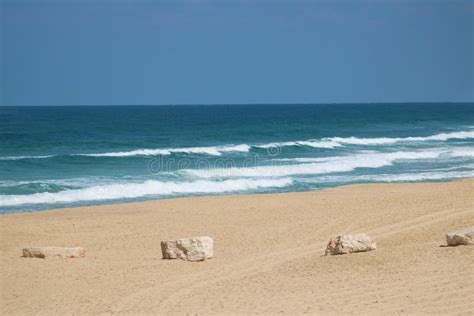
[53, 157]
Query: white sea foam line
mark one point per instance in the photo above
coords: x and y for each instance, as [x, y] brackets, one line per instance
[331, 142]
[336, 164]
[462, 152]
[134, 190]
[72, 182]
[449, 153]
[391, 177]
[328, 143]
[309, 159]
[308, 143]
[25, 157]
[213, 151]
[387, 140]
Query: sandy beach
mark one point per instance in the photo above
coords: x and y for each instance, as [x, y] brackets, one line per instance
[269, 254]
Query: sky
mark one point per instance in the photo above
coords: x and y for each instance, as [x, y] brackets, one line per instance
[104, 52]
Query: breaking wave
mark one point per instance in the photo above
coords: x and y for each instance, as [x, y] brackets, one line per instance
[325, 143]
[333, 142]
[147, 188]
[328, 143]
[423, 176]
[25, 157]
[328, 164]
[213, 151]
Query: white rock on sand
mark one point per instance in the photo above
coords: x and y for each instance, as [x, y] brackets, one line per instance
[350, 243]
[190, 249]
[54, 252]
[462, 237]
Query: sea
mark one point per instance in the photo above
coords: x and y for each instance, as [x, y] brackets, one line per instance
[68, 156]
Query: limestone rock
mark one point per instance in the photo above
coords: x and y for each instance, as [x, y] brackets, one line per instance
[190, 249]
[350, 243]
[54, 252]
[462, 237]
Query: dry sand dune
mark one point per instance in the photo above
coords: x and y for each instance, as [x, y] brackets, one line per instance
[268, 254]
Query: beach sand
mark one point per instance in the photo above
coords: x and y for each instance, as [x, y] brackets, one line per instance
[269, 254]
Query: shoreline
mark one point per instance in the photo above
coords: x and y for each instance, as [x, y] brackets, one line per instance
[269, 254]
[227, 195]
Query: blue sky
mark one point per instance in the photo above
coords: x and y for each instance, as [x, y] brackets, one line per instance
[88, 52]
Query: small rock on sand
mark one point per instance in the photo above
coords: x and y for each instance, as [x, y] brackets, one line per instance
[54, 252]
[190, 249]
[462, 237]
[350, 243]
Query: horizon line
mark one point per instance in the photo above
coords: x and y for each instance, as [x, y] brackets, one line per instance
[236, 104]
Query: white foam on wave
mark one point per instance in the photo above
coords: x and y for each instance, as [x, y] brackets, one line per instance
[462, 152]
[213, 151]
[325, 143]
[303, 160]
[422, 176]
[333, 142]
[135, 190]
[451, 152]
[327, 164]
[25, 157]
[389, 140]
[307, 143]
[71, 182]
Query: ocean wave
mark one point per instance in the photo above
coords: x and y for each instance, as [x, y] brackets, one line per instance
[70, 182]
[451, 152]
[422, 176]
[329, 144]
[212, 150]
[333, 142]
[327, 164]
[389, 140]
[25, 157]
[325, 143]
[147, 188]
[32, 187]
[462, 152]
